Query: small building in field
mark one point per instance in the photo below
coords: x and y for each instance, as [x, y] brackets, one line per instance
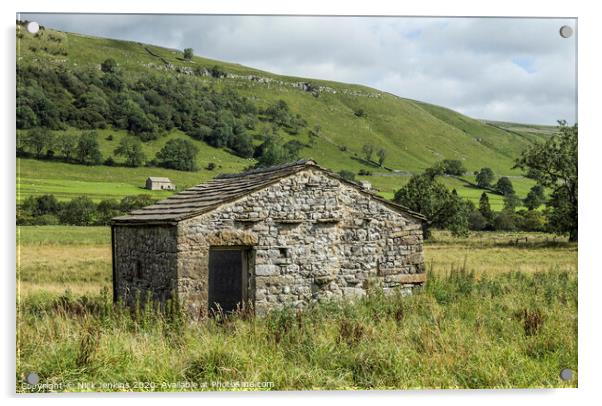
[283, 236]
[159, 183]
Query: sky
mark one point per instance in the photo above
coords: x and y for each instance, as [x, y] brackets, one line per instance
[505, 69]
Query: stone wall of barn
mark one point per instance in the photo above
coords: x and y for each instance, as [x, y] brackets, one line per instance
[311, 238]
[144, 260]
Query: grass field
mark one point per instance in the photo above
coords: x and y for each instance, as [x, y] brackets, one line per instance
[67, 181]
[494, 313]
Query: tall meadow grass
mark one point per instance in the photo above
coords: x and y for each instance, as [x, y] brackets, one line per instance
[508, 330]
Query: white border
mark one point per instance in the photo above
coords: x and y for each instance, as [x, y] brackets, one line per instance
[589, 148]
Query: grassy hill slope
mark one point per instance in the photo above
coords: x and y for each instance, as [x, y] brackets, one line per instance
[414, 134]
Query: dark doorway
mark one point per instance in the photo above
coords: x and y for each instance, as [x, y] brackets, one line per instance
[227, 278]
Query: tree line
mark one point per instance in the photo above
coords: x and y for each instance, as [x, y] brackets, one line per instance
[84, 148]
[79, 211]
[553, 164]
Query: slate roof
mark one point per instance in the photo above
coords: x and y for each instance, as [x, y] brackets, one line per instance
[225, 188]
[159, 179]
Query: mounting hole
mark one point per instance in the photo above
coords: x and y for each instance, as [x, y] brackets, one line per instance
[33, 27]
[566, 31]
[33, 378]
[566, 374]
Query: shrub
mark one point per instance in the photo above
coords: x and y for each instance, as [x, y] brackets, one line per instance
[347, 175]
[453, 167]
[476, 221]
[360, 112]
[41, 205]
[80, 211]
[505, 221]
[129, 203]
[108, 65]
[217, 71]
[45, 220]
[531, 220]
[272, 152]
[368, 150]
[242, 145]
[106, 210]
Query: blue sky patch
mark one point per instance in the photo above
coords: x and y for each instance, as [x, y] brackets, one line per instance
[526, 63]
[414, 34]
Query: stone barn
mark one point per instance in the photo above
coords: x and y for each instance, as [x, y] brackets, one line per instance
[282, 236]
[159, 183]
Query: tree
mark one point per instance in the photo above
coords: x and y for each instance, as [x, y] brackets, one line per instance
[535, 198]
[476, 221]
[453, 167]
[242, 144]
[555, 161]
[511, 202]
[485, 177]
[108, 65]
[531, 220]
[188, 52]
[368, 150]
[88, 150]
[129, 203]
[278, 112]
[178, 154]
[443, 209]
[272, 152]
[106, 210]
[66, 144]
[505, 221]
[41, 205]
[294, 147]
[38, 140]
[26, 118]
[485, 207]
[131, 148]
[382, 154]
[504, 186]
[437, 169]
[347, 175]
[80, 211]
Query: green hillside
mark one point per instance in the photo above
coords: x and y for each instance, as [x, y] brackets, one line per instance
[414, 134]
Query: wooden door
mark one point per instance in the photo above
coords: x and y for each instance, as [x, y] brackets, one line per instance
[227, 278]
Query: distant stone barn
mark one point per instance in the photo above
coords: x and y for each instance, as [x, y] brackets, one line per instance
[159, 183]
[284, 236]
